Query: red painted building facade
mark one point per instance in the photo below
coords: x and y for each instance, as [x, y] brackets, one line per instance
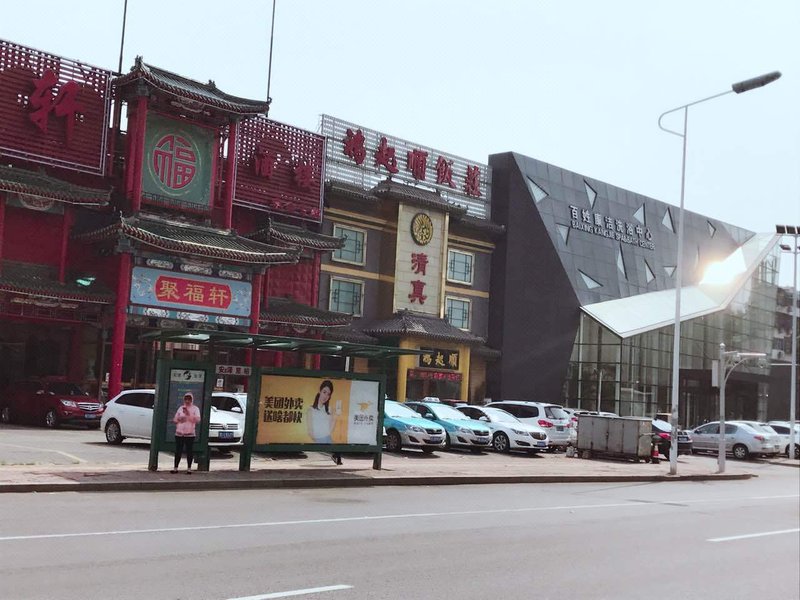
[194, 210]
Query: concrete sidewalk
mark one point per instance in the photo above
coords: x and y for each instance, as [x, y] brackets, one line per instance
[407, 468]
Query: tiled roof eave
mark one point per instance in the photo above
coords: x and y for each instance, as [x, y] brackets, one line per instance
[192, 248]
[37, 185]
[306, 321]
[54, 294]
[213, 101]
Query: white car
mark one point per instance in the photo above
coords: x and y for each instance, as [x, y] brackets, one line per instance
[508, 432]
[783, 429]
[550, 417]
[129, 414]
[233, 404]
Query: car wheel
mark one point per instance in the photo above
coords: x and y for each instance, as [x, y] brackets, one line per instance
[740, 452]
[500, 442]
[393, 441]
[797, 451]
[113, 432]
[447, 443]
[51, 419]
[5, 415]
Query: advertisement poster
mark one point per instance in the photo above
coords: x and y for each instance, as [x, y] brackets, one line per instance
[182, 382]
[317, 410]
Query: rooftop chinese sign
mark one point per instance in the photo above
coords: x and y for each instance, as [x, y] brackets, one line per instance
[365, 157]
[53, 110]
[279, 168]
[178, 163]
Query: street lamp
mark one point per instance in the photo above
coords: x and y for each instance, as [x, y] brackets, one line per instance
[738, 88]
[728, 361]
[794, 231]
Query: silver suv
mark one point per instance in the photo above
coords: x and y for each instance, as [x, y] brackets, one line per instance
[550, 417]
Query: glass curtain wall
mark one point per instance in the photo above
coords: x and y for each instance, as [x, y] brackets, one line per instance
[632, 376]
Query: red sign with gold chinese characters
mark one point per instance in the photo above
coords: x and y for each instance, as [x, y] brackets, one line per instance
[195, 293]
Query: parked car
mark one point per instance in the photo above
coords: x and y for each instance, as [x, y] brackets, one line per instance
[662, 437]
[233, 404]
[129, 414]
[508, 432]
[550, 417]
[783, 429]
[50, 403]
[741, 439]
[460, 430]
[405, 427]
[452, 402]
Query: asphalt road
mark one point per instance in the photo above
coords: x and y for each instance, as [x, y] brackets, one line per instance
[722, 539]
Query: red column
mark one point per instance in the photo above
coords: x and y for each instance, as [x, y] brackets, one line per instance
[230, 175]
[315, 280]
[120, 315]
[255, 310]
[2, 223]
[137, 153]
[66, 225]
[317, 358]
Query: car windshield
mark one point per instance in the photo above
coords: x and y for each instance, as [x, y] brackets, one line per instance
[662, 425]
[62, 388]
[760, 428]
[555, 412]
[398, 411]
[497, 414]
[446, 412]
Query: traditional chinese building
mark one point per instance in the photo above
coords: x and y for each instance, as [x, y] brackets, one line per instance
[414, 267]
[196, 210]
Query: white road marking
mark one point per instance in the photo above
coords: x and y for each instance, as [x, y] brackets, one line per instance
[69, 456]
[457, 513]
[752, 535]
[317, 590]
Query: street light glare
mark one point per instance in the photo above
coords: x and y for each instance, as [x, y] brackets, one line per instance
[755, 82]
[724, 272]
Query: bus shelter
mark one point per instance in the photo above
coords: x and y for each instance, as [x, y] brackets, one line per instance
[288, 410]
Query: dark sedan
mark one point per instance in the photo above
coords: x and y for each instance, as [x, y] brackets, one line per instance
[662, 434]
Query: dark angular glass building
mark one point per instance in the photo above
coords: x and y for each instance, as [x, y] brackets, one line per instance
[583, 298]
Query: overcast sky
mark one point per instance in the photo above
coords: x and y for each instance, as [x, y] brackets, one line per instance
[576, 83]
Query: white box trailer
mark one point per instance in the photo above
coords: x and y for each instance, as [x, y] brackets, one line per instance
[623, 437]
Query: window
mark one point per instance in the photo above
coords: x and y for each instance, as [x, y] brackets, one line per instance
[457, 312]
[346, 296]
[459, 266]
[353, 250]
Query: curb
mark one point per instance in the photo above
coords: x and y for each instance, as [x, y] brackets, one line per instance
[352, 482]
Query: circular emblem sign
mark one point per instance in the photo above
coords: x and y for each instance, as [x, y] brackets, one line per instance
[174, 161]
[421, 228]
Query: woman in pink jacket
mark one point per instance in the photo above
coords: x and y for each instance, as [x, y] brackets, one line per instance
[185, 419]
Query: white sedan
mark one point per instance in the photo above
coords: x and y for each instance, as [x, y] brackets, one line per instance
[508, 432]
[129, 414]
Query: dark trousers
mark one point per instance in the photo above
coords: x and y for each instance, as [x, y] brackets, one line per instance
[181, 443]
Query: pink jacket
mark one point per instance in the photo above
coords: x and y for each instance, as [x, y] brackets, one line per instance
[185, 419]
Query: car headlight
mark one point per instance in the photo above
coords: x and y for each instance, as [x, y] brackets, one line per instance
[416, 428]
[464, 430]
[520, 432]
[70, 403]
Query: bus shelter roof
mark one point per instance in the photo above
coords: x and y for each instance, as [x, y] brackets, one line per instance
[277, 343]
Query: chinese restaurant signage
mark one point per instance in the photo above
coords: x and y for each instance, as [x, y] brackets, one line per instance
[365, 157]
[611, 228]
[178, 159]
[423, 375]
[419, 260]
[316, 410]
[436, 358]
[53, 110]
[169, 289]
[279, 168]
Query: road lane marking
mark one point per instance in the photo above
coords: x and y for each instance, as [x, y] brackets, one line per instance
[69, 456]
[316, 590]
[457, 513]
[752, 535]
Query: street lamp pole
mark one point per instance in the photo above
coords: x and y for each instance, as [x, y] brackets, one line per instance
[794, 231]
[728, 361]
[738, 88]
